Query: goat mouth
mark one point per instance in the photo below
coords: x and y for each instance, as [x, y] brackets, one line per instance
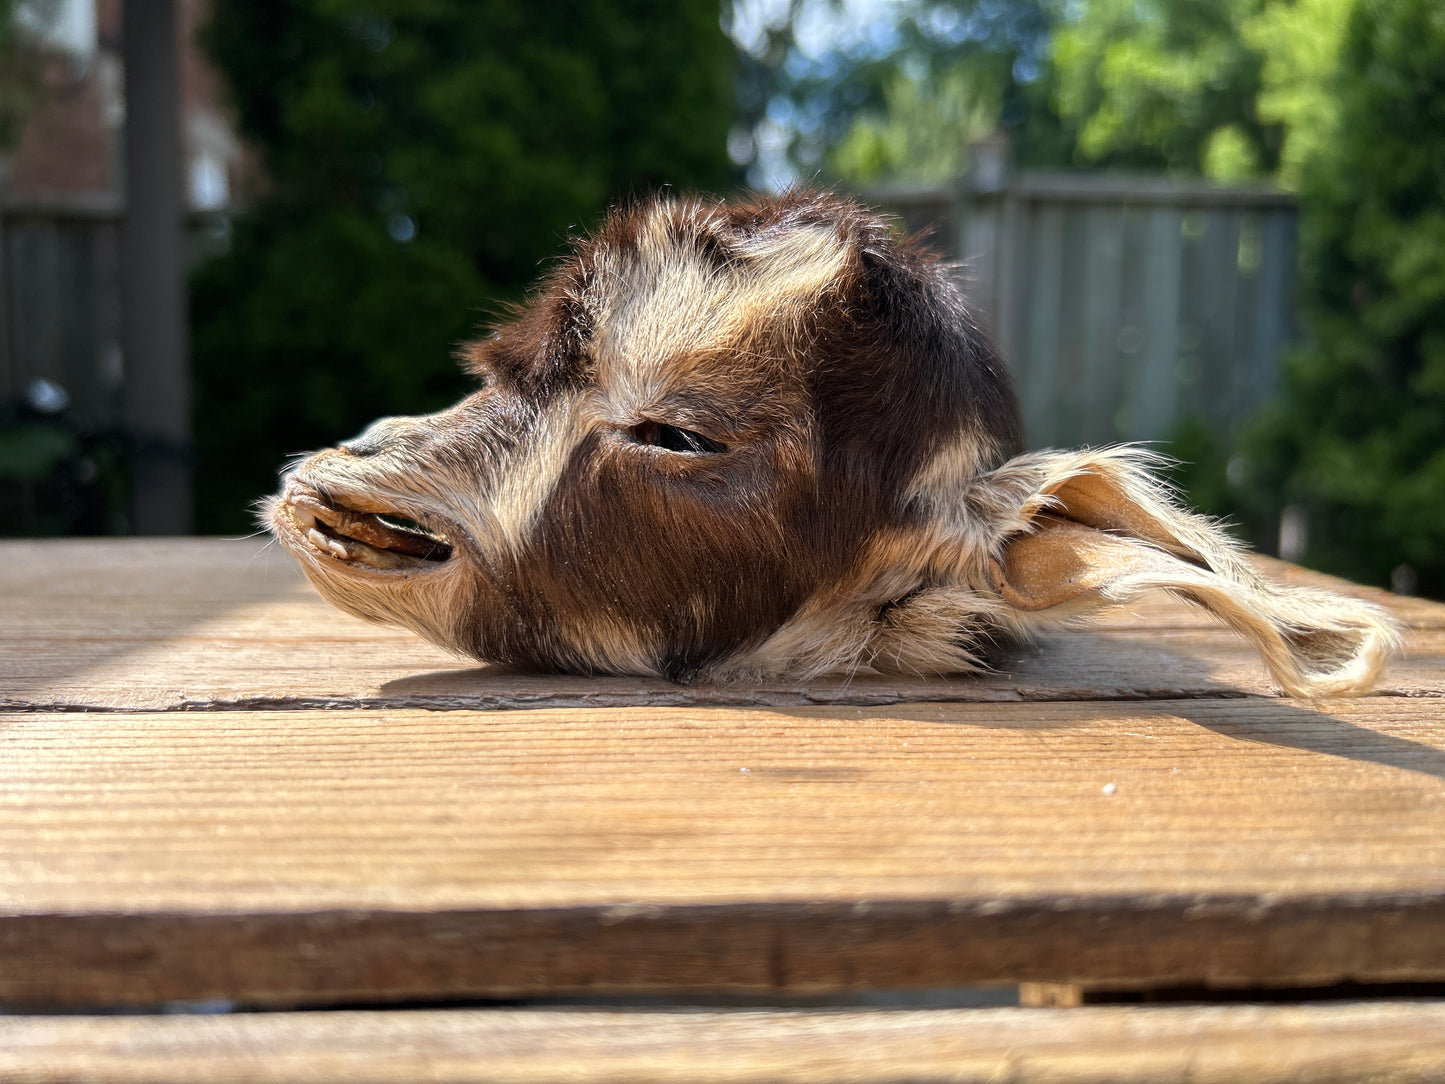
[370, 539]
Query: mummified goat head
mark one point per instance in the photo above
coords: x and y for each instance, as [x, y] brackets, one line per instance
[764, 438]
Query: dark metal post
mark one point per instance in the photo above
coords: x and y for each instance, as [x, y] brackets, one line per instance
[153, 292]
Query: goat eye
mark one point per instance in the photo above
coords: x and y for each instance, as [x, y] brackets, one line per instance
[675, 438]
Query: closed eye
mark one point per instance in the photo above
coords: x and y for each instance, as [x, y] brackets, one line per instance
[675, 439]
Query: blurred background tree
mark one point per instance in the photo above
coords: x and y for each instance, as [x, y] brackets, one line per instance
[421, 158]
[1165, 84]
[20, 65]
[1357, 441]
[830, 90]
[1229, 89]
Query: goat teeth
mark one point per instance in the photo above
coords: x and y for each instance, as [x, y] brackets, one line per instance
[368, 555]
[330, 545]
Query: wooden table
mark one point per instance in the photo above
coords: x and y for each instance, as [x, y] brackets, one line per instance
[218, 792]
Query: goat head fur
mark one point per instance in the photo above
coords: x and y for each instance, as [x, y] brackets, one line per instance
[764, 438]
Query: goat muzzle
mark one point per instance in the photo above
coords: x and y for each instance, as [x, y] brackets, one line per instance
[374, 538]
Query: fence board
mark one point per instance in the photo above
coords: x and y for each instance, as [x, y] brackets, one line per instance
[1215, 301]
[979, 243]
[1068, 417]
[35, 317]
[1246, 313]
[1100, 371]
[1130, 334]
[1045, 282]
[1274, 283]
[62, 311]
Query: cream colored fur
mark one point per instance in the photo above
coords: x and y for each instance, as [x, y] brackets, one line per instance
[1043, 541]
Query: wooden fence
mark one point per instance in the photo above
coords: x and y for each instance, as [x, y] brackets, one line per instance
[108, 415]
[1123, 305]
[60, 304]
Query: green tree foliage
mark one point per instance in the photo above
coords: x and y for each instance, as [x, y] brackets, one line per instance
[1229, 89]
[860, 94]
[1359, 440]
[1142, 84]
[921, 133]
[1299, 45]
[1164, 84]
[20, 63]
[423, 157]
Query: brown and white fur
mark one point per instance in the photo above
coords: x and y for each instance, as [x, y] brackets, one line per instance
[737, 440]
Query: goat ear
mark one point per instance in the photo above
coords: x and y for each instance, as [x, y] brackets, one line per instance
[1099, 529]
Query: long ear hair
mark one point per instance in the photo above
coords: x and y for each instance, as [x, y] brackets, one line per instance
[1043, 541]
[1052, 536]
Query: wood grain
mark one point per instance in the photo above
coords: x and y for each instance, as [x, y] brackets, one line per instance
[202, 624]
[1111, 811]
[323, 857]
[1390, 1041]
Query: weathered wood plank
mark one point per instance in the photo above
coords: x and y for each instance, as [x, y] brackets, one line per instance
[321, 857]
[1211, 298]
[197, 624]
[1310, 1043]
[1274, 286]
[1067, 389]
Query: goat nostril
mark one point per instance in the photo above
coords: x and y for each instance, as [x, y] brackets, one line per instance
[367, 443]
[384, 434]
